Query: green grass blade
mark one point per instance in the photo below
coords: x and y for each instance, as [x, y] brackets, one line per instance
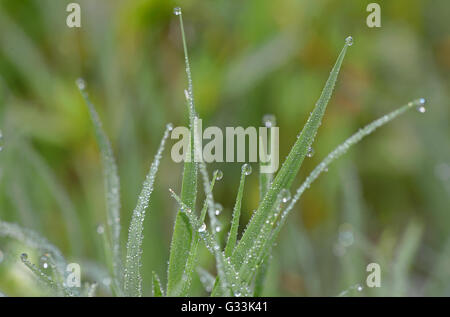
[182, 234]
[229, 277]
[404, 259]
[112, 189]
[206, 278]
[232, 236]
[132, 276]
[335, 154]
[42, 246]
[260, 277]
[291, 165]
[265, 179]
[43, 278]
[34, 241]
[192, 259]
[156, 285]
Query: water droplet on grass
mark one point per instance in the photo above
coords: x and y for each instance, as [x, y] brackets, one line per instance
[100, 229]
[202, 228]
[247, 169]
[24, 256]
[269, 120]
[349, 41]
[81, 84]
[44, 262]
[219, 174]
[218, 209]
[310, 152]
[177, 11]
[421, 106]
[285, 195]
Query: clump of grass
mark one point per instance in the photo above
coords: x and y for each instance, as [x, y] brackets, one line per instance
[241, 264]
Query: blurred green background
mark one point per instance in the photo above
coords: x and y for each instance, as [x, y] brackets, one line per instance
[387, 201]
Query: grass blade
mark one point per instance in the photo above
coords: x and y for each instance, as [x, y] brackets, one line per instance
[112, 189]
[291, 165]
[190, 263]
[39, 243]
[229, 277]
[156, 285]
[265, 179]
[132, 275]
[182, 234]
[206, 278]
[404, 260]
[335, 154]
[232, 236]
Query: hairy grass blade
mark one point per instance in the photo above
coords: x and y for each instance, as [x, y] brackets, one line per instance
[156, 286]
[112, 190]
[229, 277]
[132, 275]
[335, 154]
[290, 167]
[182, 233]
[232, 235]
[192, 259]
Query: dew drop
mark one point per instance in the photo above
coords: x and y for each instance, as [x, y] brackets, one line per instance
[177, 11]
[349, 41]
[100, 229]
[310, 152]
[219, 174]
[218, 209]
[421, 106]
[269, 120]
[285, 195]
[218, 228]
[202, 228]
[43, 262]
[246, 169]
[24, 256]
[169, 126]
[359, 288]
[81, 84]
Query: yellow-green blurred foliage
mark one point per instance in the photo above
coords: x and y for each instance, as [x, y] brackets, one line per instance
[248, 58]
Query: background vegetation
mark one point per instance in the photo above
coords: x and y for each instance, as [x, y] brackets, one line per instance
[386, 201]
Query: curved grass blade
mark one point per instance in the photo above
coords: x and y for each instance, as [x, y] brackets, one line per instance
[43, 278]
[112, 190]
[404, 260]
[291, 165]
[34, 241]
[229, 277]
[42, 246]
[190, 264]
[132, 276]
[232, 236]
[335, 154]
[182, 234]
[157, 290]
